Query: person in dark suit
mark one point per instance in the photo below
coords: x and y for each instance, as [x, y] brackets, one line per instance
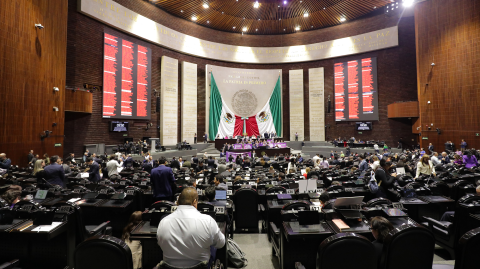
[324, 198]
[162, 180]
[30, 156]
[205, 138]
[430, 148]
[195, 159]
[54, 172]
[265, 135]
[93, 170]
[211, 162]
[230, 158]
[380, 227]
[128, 161]
[175, 164]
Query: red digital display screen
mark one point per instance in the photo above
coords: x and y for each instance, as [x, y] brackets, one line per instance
[356, 95]
[126, 79]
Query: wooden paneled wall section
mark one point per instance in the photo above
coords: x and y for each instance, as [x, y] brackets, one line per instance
[32, 62]
[448, 34]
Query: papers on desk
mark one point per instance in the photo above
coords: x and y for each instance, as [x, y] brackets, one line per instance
[313, 228]
[84, 175]
[307, 186]
[341, 224]
[73, 200]
[119, 169]
[400, 170]
[47, 228]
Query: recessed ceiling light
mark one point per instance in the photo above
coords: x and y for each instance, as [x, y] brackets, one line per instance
[305, 15]
[244, 29]
[342, 19]
[243, 17]
[301, 1]
[408, 3]
[256, 4]
[297, 28]
[284, 2]
[323, 8]
[312, 26]
[256, 29]
[283, 29]
[194, 18]
[280, 19]
[222, 12]
[233, 27]
[374, 7]
[181, 11]
[205, 5]
[258, 19]
[278, 6]
[208, 21]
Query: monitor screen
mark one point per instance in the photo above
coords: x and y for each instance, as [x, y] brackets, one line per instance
[356, 90]
[41, 194]
[363, 126]
[127, 75]
[220, 195]
[117, 126]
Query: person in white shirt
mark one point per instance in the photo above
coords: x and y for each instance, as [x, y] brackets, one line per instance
[376, 163]
[435, 159]
[376, 148]
[186, 235]
[112, 166]
[425, 167]
[315, 158]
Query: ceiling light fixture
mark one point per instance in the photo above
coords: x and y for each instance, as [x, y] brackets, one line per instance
[194, 18]
[233, 27]
[208, 21]
[408, 3]
[297, 28]
[256, 29]
[284, 2]
[244, 29]
[256, 4]
[181, 11]
[342, 19]
[205, 5]
[305, 15]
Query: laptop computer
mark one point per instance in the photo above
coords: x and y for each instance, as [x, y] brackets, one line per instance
[41, 195]
[220, 195]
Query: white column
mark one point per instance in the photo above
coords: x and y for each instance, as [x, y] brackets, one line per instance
[189, 101]
[316, 105]
[169, 101]
[297, 124]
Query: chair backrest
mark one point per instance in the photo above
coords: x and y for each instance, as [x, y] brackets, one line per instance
[201, 206]
[361, 252]
[276, 189]
[468, 248]
[378, 201]
[162, 204]
[99, 252]
[297, 205]
[246, 206]
[409, 246]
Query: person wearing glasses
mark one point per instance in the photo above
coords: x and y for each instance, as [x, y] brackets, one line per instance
[380, 228]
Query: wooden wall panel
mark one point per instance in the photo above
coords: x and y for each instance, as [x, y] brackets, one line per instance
[403, 110]
[78, 101]
[448, 34]
[32, 62]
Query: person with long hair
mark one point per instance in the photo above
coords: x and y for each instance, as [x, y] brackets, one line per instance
[46, 158]
[134, 245]
[469, 159]
[380, 228]
[381, 179]
[12, 196]
[458, 160]
[38, 171]
[425, 167]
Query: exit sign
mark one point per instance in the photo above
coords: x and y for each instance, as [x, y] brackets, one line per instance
[58, 145]
[477, 134]
[425, 138]
[124, 134]
[359, 132]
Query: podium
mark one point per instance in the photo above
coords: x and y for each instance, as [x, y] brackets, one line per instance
[154, 142]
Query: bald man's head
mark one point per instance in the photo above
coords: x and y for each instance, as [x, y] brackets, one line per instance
[188, 196]
[3, 156]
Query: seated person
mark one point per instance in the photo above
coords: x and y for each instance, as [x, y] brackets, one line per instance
[218, 181]
[186, 236]
[380, 228]
[12, 196]
[134, 245]
[324, 198]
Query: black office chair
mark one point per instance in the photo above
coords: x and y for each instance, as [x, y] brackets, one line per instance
[440, 188]
[413, 241]
[276, 189]
[297, 205]
[361, 252]
[246, 209]
[461, 188]
[205, 206]
[468, 249]
[200, 265]
[378, 201]
[167, 205]
[100, 252]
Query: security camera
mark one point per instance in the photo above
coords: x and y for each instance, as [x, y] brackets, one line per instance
[433, 64]
[56, 89]
[39, 26]
[55, 108]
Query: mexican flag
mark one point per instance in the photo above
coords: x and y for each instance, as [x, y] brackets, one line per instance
[224, 123]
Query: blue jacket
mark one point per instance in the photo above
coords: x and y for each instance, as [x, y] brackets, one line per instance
[161, 179]
[55, 174]
[6, 164]
[363, 166]
[93, 173]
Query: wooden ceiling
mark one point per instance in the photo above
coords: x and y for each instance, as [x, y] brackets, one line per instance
[272, 16]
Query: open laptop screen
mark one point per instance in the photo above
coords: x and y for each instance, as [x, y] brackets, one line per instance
[220, 195]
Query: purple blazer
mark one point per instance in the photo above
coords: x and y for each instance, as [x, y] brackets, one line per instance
[470, 162]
